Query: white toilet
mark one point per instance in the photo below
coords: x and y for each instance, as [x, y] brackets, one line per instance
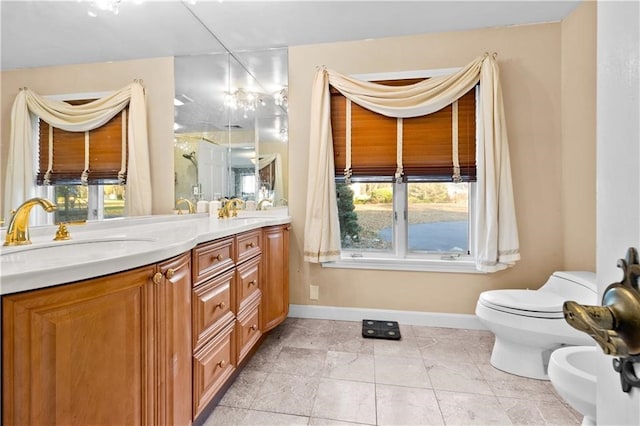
[529, 324]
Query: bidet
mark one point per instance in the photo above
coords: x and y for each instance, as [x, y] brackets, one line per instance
[572, 374]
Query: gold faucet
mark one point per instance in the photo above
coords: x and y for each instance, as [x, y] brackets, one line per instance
[191, 207]
[18, 229]
[261, 202]
[230, 208]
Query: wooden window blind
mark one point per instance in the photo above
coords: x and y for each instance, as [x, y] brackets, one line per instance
[105, 152]
[427, 149]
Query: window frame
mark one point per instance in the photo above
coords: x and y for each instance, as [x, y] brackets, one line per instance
[401, 258]
[95, 192]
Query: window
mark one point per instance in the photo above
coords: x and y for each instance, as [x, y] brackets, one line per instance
[423, 220]
[102, 196]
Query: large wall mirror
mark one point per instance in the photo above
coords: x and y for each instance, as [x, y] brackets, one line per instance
[231, 127]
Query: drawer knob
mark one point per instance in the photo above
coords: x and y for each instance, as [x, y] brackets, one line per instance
[170, 273]
[222, 364]
[254, 327]
[221, 305]
[218, 257]
[251, 245]
[252, 283]
[157, 278]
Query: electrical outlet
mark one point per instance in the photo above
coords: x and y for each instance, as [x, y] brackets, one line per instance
[314, 291]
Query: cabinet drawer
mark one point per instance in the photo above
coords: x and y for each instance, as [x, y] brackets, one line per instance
[212, 304]
[248, 281]
[212, 258]
[248, 245]
[248, 329]
[212, 366]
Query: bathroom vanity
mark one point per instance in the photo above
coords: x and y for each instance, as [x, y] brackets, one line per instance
[145, 321]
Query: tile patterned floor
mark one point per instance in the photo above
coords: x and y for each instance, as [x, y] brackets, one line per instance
[319, 372]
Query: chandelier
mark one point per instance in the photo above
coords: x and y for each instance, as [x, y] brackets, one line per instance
[97, 6]
[281, 98]
[243, 100]
[284, 134]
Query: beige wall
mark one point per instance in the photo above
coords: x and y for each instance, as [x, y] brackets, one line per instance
[578, 73]
[530, 59]
[157, 76]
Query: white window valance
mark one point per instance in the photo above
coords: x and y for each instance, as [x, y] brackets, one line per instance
[20, 182]
[496, 242]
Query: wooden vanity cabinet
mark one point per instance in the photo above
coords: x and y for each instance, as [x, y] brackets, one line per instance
[213, 314]
[226, 310]
[275, 276]
[149, 346]
[110, 350]
[174, 347]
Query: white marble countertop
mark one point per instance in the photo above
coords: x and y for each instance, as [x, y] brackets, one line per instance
[106, 247]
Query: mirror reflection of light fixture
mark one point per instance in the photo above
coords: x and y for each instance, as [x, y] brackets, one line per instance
[98, 6]
[243, 100]
[284, 134]
[112, 6]
[281, 98]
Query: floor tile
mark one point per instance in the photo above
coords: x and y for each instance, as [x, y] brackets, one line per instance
[406, 347]
[321, 372]
[470, 409]
[245, 389]
[349, 366]
[346, 336]
[346, 401]
[398, 405]
[436, 349]
[458, 377]
[300, 361]
[392, 370]
[225, 416]
[288, 394]
[315, 421]
[263, 418]
[527, 412]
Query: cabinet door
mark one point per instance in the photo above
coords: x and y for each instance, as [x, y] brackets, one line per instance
[275, 279]
[80, 354]
[174, 340]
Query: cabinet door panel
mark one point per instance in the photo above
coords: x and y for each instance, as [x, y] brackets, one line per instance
[275, 276]
[212, 366]
[212, 258]
[212, 307]
[248, 329]
[174, 338]
[248, 281]
[248, 245]
[76, 354]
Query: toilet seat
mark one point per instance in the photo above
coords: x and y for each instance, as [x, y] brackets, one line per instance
[528, 303]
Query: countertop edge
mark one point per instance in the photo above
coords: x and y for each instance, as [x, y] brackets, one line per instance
[167, 238]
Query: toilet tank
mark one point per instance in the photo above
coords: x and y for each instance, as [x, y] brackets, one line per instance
[579, 286]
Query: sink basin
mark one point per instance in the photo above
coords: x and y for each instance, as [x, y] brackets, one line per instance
[79, 249]
[572, 373]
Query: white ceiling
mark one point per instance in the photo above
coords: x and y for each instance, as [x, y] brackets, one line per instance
[44, 33]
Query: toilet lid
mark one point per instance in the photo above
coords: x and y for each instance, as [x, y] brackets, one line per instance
[525, 302]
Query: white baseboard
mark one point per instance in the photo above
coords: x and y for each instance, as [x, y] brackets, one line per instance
[431, 319]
